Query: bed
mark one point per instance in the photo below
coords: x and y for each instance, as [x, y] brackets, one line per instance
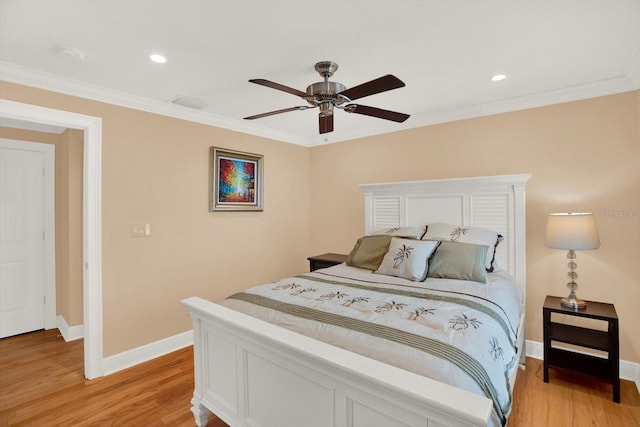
[262, 359]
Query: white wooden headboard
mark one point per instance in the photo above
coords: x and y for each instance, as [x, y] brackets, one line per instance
[493, 202]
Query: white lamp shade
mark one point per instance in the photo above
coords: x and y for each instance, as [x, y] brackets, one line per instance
[572, 231]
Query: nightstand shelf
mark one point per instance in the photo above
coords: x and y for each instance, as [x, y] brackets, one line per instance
[598, 340]
[325, 260]
[607, 368]
[592, 365]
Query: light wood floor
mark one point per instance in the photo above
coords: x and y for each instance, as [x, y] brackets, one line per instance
[570, 399]
[42, 384]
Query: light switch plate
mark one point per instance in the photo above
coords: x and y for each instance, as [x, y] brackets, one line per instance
[140, 230]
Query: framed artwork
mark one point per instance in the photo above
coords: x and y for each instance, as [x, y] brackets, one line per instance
[236, 180]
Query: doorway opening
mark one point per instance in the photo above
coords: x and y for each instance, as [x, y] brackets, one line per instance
[92, 220]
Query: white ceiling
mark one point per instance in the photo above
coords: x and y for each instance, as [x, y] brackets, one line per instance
[445, 51]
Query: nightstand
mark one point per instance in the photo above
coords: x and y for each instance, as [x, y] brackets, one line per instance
[608, 341]
[325, 260]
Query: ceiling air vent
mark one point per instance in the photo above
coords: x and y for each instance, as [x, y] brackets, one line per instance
[185, 101]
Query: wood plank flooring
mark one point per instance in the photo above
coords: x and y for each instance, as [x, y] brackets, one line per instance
[570, 399]
[42, 384]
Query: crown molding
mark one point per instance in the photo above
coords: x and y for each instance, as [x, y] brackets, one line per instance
[570, 94]
[30, 77]
[52, 82]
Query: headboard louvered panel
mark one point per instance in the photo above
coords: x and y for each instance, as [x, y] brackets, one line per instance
[386, 212]
[493, 202]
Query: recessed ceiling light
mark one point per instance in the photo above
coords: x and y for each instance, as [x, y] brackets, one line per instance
[158, 58]
[498, 77]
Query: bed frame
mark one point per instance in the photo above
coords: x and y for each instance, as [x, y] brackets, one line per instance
[251, 373]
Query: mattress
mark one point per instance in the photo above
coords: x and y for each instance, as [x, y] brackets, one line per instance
[458, 332]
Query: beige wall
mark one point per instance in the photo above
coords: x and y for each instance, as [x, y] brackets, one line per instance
[156, 169]
[584, 156]
[69, 271]
[68, 214]
[30, 136]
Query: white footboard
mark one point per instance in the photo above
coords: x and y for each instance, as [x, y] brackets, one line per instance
[251, 373]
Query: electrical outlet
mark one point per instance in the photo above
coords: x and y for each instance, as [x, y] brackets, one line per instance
[140, 230]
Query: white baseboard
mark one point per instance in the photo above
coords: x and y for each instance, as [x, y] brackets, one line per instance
[69, 333]
[144, 353]
[628, 370]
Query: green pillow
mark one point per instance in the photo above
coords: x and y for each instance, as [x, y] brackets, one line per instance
[369, 252]
[454, 260]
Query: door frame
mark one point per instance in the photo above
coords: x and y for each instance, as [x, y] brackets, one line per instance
[48, 207]
[92, 218]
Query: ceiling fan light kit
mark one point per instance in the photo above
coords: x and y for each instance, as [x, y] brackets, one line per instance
[328, 95]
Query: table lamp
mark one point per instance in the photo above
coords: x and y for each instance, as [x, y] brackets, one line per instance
[573, 232]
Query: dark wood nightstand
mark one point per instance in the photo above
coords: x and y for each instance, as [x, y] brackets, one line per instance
[608, 341]
[325, 260]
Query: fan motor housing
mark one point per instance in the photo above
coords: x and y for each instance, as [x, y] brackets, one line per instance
[323, 95]
[320, 89]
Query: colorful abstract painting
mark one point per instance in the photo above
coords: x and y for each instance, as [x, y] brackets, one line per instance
[236, 183]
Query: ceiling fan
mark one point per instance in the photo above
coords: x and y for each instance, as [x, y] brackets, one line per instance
[326, 95]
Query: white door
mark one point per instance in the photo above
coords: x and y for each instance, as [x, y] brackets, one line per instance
[22, 306]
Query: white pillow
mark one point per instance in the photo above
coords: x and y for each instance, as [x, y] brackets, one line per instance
[463, 234]
[407, 258]
[410, 232]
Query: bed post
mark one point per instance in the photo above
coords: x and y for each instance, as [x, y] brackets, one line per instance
[520, 232]
[200, 412]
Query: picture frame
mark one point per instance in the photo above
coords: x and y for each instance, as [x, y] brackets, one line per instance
[236, 180]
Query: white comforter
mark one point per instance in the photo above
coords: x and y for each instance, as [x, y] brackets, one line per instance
[458, 332]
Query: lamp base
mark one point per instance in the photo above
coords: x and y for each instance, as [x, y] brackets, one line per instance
[573, 303]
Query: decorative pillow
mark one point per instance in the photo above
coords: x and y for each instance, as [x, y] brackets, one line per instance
[407, 258]
[410, 232]
[369, 251]
[463, 261]
[473, 235]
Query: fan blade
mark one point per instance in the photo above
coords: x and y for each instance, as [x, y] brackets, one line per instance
[278, 86]
[378, 85]
[271, 113]
[326, 123]
[376, 112]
